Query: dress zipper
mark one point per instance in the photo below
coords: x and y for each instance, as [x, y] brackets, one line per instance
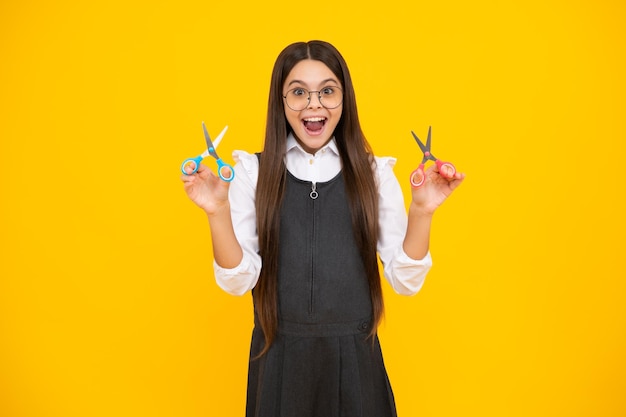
[313, 193]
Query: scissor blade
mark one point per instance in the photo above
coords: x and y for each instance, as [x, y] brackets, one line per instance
[219, 137]
[209, 143]
[207, 138]
[428, 139]
[419, 142]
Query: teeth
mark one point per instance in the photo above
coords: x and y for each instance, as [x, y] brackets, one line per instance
[315, 119]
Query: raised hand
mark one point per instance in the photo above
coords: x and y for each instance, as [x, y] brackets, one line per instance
[206, 189]
[435, 189]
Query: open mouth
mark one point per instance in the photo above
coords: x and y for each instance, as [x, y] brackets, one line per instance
[314, 125]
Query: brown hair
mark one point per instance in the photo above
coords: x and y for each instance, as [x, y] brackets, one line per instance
[357, 165]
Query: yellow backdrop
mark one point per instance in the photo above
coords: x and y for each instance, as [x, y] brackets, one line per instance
[108, 306]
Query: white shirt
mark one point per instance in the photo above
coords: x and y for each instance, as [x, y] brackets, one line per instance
[405, 275]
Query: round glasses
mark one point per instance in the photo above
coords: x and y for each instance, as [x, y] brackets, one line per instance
[299, 98]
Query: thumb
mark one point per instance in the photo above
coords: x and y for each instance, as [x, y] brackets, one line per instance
[226, 173]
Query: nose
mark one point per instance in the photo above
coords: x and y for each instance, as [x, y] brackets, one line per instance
[317, 96]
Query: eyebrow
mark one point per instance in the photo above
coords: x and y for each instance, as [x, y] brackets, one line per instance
[303, 83]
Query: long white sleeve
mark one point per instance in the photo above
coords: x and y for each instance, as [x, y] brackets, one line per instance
[243, 277]
[406, 275]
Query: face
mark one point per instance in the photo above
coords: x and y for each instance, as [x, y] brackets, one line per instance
[314, 125]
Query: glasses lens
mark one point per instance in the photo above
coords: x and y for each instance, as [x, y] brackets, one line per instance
[331, 97]
[298, 98]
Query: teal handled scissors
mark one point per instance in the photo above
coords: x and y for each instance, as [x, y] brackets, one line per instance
[446, 169]
[211, 146]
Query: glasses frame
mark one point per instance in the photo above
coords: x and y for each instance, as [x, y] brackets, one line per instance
[319, 97]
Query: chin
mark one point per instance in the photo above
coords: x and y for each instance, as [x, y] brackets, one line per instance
[312, 143]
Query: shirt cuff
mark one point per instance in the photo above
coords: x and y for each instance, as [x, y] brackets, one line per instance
[403, 258]
[237, 280]
[407, 275]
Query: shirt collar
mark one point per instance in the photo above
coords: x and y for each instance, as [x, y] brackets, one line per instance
[292, 143]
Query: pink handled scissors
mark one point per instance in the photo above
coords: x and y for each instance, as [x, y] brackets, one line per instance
[446, 169]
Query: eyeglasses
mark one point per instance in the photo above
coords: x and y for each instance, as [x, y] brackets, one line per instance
[299, 98]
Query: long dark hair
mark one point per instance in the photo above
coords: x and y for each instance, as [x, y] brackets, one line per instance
[357, 165]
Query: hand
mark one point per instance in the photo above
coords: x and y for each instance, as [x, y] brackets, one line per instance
[435, 190]
[206, 189]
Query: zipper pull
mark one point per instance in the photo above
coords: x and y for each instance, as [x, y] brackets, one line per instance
[313, 193]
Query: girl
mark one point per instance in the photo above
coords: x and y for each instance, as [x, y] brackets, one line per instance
[301, 227]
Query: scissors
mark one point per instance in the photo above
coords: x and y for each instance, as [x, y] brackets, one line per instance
[221, 165]
[446, 169]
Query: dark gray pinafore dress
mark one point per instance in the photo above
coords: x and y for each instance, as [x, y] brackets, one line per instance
[321, 363]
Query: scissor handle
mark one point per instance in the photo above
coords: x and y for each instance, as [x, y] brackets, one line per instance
[418, 177]
[446, 169]
[221, 167]
[188, 163]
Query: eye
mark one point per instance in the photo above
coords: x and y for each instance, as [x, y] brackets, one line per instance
[298, 91]
[328, 91]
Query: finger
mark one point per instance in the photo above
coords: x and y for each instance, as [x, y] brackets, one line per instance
[447, 171]
[457, 176]
[189, 167]
[203, 171]
[457, 181]
[227, 173]
[417, 178]
[187, 179]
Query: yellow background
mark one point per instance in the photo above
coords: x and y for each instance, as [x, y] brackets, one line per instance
[108, 306]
